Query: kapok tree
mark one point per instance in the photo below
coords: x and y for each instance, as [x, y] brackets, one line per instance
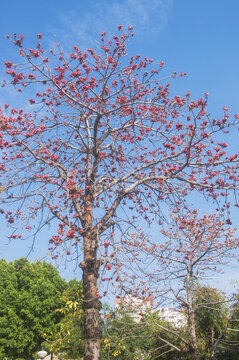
[103, 138]
[191, 249]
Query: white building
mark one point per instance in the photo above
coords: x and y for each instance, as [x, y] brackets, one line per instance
[175, 317]
[136, 307]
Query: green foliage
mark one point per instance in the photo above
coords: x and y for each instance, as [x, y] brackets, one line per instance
[211, 316]
[126, 339]
[230, 345]
[69, 337]
[29, 295]
[211, 310]
[154, 338]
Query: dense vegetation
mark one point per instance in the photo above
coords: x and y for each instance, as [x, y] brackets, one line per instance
[30, 294]
[40, 309]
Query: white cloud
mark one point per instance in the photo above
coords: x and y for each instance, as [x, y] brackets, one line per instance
[146, 16]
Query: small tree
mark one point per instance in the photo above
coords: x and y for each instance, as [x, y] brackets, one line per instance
[192, 248]
[103, 139]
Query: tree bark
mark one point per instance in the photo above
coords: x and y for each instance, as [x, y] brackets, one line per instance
[91, 302]
[193, 338]
[193, 347]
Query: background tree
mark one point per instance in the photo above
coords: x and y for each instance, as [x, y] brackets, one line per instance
[29, 295]
[211, 317]
[193, 247]
[104, 138]
[229, 346]
[152, 337]
[155, 338]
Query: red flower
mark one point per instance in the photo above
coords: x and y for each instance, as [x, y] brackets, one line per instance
[179, 126]
[71, 234]
[120, 27]
[39, 36]
[8, 64]
[31, 76]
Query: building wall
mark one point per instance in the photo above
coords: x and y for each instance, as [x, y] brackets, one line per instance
[136, 307]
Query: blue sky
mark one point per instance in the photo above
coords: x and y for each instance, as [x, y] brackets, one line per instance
[197, 37]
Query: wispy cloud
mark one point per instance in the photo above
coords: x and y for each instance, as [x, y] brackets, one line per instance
[146, 16]
[83, 27]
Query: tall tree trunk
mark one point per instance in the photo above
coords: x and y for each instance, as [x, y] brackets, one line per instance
[192, 333]
[191, 320]
[91, 302]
